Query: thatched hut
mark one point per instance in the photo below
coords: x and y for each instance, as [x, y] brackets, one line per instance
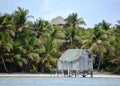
[58, 21]
[77, 61]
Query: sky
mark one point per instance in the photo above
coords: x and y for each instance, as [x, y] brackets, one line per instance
[92, 11]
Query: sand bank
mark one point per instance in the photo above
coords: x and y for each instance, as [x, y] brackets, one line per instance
[54, 75]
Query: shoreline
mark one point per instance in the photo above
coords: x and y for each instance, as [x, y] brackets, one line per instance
[95, 75]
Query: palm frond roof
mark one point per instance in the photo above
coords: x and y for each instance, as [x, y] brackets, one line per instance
[71, 55]
[58, 20]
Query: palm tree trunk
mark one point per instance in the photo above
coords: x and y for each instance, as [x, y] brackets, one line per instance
[42, 70]
[4, 64]
[26, 65]
[99, 63]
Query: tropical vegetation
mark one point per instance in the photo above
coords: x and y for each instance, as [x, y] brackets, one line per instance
[34, 46]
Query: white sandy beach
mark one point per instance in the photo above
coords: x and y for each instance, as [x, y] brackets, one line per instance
[54, 75]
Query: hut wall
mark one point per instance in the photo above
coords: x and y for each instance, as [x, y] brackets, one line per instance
[63, 65]
[75, 65]
[85, 62]
[90, 62]
[59, 65]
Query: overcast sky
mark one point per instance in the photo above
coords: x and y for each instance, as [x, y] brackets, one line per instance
[92, 11]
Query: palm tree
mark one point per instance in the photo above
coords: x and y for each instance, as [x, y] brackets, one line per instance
[19, 19]
[100, 43]
[27, 52]
[39, 27]
[104, 25]
[51, 38]
[26, 45]
[72, 38]
[74, 21]
[116, 59]
[6, 34]
[48, 51]
[55, 33]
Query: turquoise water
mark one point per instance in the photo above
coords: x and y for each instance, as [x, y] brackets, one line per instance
[33, 81]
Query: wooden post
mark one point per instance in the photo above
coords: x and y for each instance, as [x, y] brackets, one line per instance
[75, 73]
[84, 74]
[68, 71]
[62, 73]
[91, 74]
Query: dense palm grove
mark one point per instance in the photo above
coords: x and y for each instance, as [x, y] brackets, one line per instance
[27, 46]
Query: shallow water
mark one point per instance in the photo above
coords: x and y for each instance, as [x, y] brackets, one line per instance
[37, 81]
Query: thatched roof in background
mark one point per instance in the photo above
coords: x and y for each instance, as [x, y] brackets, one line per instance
[58, 21]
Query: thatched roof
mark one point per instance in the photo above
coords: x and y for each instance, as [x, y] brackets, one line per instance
[58, 21]
[73, 54]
